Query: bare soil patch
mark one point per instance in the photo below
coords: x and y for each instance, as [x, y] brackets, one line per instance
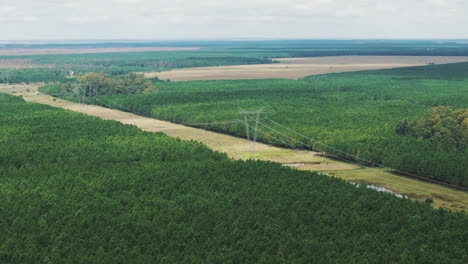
[295, 68]
[43, 51]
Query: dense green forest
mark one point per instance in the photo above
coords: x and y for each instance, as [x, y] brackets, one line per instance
[350, 115]
[77, 189]
[212, 53]
[123, 63]
[97, 83]
[442, 125]
[33, 75]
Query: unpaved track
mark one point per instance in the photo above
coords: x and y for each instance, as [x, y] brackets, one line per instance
[238, 148]
[295, 68]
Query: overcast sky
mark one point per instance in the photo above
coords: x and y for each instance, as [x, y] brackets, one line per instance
[220, 19]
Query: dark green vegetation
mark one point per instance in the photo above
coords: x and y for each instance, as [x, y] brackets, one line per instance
[122, 63]
[79, 189]
[442, 125]
[356, 113]
[93, 84]
[33, 75]
[213, 53]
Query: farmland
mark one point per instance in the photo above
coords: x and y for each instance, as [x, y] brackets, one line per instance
[296, 68]
[80, 189]
[349, 115]
[210, 53]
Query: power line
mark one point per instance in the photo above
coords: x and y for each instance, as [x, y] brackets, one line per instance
[267, 135]
[256, 130]
[150, 116]
[325, 145]
[348, 161]
[349, 154]
[245, 122]
[337, 157]
[380, 165]
[247, 117]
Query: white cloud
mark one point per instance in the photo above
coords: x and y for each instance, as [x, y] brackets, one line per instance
[32, 19]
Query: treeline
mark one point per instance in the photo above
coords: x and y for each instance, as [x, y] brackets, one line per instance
[385, 51]
[98, 83]
[80, 189]
[449, 72]
[47, 75]
[121, 63]
[442, 125]
[218, 53]
[350, 115]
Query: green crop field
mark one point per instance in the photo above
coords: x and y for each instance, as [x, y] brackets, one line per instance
[350, 115]
[79, 189]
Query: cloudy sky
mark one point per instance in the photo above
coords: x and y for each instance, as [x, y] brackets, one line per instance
[220, 19]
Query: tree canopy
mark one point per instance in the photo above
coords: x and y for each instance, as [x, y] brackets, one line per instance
[442, 125]
[78, 189]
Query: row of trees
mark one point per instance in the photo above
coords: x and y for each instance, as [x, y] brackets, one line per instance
[79, 189]
[47, 75]
[98, 83]
[118, 64]
[442, 125]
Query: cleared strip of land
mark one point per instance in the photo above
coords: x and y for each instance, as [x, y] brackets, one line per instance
[295, 68]
[238, 148]
[42, 51]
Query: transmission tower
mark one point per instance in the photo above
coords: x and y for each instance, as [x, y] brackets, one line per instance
[5, 76]
[81, 91]
[252, 116]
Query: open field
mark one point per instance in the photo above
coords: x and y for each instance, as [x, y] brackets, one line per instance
[238, 148]
[156, 58]
[295, 68]
[44, 51]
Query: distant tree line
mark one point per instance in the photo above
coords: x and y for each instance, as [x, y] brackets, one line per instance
[98, 83]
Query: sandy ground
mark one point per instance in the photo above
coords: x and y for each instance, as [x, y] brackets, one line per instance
[238, 148]
[295, 68]
[41, 51]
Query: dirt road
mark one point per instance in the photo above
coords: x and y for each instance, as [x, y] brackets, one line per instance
[238, 148]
